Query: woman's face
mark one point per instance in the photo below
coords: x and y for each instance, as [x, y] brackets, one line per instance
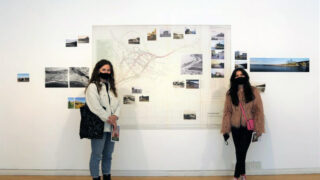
[105, 69]
[239, 74]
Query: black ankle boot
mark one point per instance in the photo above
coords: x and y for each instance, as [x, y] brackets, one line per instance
[97, 178]
[107, 177]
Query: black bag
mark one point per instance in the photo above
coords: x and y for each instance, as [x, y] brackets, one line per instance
[91, 126]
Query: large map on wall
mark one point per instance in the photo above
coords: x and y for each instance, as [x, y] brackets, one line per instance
[167, 76]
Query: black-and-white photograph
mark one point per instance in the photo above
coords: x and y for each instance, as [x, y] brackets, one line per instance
[78, 76]
[136, 90]
[56, 77]
[144, 98]
[83, 39]
[217, 54]
[192, 84]
[128, 99]
[71, 43]
[134, 41]
[165, 33]
[241, 64]
[189, 115]
[189, 30]
[177, 36]
[240, 55]
[178, 84]
[191, 64]
[217, 36]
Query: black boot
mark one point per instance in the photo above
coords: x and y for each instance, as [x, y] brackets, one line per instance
[97, 178]
[107, 177]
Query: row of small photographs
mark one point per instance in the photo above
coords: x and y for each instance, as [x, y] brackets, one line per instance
[56, 77]
[217, 45]
[189, 116]
[190, 84]
[152, 36]
[279, 64]
[23, 77]
[76, 102]
[191, 64]
[74, 42]
[130, 99]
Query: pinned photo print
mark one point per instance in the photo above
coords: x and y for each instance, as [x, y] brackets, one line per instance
[191, 64]
[178, 84]
[217, 64]
[217, 35]
[177, 36]
[189, 115]
[217, 73]
[79, 76]
[83, 39]
[56, 77]
[136, 90]
[192, 84]
[134, 41]
[144, 98]
[241, 64]
[128, 99]
[279, 64]
[165, 33]
[79, 102]
[152, 36]
[70, 102]
[189, 30]
[23, 77]
[217, 54]
[71, 43]
[217, 45]
[240, 55]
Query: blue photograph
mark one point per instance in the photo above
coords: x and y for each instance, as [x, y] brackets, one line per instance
[279, 64]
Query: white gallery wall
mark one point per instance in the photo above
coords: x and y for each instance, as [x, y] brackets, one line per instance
[39, 134]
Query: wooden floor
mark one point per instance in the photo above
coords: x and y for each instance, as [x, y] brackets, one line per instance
[278, 177]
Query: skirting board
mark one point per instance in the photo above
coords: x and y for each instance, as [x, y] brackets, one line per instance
[71, 172]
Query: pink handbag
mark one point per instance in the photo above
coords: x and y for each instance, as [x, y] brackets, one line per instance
[250, 122]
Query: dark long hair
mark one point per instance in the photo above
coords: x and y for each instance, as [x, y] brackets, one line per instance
[233, 91]
[95, 78]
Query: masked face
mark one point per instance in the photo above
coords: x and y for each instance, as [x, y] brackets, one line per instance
[240, 80]
[105, 72]
[105, 76]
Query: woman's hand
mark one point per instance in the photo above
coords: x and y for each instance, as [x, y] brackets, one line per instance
[112, 120]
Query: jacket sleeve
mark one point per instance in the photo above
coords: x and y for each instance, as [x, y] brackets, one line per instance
[257, 111]
[226, 119]
[117, 109]
[92, 100]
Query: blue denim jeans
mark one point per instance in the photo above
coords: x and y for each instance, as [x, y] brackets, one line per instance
[102, 149]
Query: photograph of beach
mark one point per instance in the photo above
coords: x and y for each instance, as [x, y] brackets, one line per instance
[279, 64]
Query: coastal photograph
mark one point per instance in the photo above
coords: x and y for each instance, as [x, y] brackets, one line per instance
[279, 64]
[56, 77]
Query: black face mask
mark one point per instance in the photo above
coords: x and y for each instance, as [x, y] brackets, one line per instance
[105, 76]
[240, 80]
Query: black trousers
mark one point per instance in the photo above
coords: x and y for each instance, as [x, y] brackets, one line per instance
[242, 139]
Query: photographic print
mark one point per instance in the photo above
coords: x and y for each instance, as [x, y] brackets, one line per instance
[136, 91]
[217, 73]
[217, 44]
[241, 64]
[128, 99]
[178, 84]
[70, 103]
[217, 54]
[23, 77]
[79, 102]
[115, 134]
[191, 64]
[83, 39]
[189, 30]
[279, 64]
[79, 76]
[217, 36]
[71, 43]
[192, 84]
[144, 98]
[134, 41]
[240, 55]
[177, 36]
[165, 33]
[260, 86]
[152, 36]
[217, 64]
[56, 77]
[189, 115]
